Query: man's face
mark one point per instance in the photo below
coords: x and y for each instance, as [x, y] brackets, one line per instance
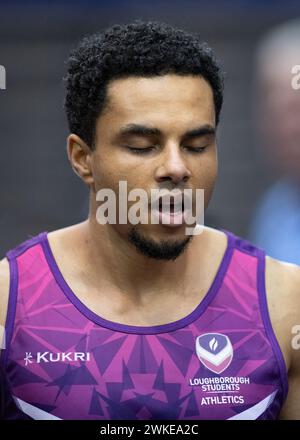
[148, 136]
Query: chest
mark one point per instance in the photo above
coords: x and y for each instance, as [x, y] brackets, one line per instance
[206, 369]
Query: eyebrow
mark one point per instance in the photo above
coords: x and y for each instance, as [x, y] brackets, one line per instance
[143, 130]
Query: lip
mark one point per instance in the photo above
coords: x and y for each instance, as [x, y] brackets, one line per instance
[180, 202]
[177, 199]
[176, 196]
[173, 220]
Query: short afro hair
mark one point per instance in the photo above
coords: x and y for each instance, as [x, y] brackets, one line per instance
[135, 49]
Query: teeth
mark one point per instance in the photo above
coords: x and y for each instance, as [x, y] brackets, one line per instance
[171, 207]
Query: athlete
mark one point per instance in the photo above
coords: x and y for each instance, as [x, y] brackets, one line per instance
[126, 320]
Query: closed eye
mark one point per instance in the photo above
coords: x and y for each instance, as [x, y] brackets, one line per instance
[140, 150]
[149, 149]
[196, 149]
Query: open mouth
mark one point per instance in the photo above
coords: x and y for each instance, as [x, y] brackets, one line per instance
[171, 206]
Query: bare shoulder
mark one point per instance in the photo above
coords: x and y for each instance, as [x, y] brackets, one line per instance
[4, 289]
[283, 295]
[283, 284]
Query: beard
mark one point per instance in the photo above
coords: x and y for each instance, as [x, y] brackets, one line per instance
[162, 250]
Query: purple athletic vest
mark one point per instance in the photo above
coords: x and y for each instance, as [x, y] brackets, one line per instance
[221, 361]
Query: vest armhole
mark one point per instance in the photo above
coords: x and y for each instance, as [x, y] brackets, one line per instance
[11, 306]
[265, 315]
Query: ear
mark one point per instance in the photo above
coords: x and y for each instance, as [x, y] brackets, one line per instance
[79, 154]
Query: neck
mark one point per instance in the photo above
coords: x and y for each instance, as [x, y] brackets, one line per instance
[112, 257]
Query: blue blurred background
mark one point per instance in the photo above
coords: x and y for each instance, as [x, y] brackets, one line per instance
[39, 191]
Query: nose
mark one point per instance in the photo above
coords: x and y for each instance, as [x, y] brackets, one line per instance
[172, 167]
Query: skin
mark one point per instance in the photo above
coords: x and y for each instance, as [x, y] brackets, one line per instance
[106, 271]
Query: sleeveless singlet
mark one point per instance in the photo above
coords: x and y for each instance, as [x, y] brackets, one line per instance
[221, 361]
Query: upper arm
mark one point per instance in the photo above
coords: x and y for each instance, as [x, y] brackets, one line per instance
[283, 286]
[291, 408]
[4, 289]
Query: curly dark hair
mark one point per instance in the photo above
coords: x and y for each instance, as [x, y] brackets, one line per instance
[135, 49]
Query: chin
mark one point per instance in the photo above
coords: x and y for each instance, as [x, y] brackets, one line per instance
[160, 246]
[163, 232]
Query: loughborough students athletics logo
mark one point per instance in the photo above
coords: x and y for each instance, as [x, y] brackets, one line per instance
[215, 351]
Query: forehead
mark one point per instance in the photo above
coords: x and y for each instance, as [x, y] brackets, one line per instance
[171, 96]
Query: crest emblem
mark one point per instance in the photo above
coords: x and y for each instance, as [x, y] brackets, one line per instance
[214, 351]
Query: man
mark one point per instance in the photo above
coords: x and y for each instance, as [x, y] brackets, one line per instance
[125, 320]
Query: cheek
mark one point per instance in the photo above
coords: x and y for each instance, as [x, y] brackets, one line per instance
[108, 172]
[207, 178]
[104, 171]
[212, 172]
